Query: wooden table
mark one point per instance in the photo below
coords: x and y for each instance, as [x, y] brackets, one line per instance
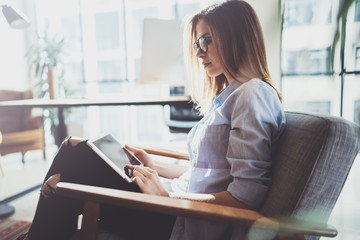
[61, 104]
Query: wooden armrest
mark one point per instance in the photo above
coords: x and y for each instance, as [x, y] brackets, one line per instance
[187, 208]
[164, 152]
[166, 205]
[22, 136]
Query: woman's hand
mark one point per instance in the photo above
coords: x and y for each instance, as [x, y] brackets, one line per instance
[142, 156]
[148, 180]
[165, 170]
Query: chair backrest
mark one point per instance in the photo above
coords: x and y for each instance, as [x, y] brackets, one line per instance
[311, 164]
[13, 119]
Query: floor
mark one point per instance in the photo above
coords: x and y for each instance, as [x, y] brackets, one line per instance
[346, 214]
[19, 177]
[345, 217]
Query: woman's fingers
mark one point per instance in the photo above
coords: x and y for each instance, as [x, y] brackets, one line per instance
[140, 177]
[148, 181]
[138, 182]
[135, 151]
[142, 172]
[141, 155]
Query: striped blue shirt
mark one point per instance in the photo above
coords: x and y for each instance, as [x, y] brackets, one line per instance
[230, 150]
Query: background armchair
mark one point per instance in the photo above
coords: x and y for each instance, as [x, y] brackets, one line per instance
[310, 167]
[21, 131]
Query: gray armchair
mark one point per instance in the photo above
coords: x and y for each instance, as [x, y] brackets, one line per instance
[310, 168]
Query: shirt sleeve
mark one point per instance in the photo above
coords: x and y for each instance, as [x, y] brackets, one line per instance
[256, 120]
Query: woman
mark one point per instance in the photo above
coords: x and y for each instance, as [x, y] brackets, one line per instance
[230, 148]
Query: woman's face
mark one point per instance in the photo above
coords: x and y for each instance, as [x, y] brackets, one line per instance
[210, 60]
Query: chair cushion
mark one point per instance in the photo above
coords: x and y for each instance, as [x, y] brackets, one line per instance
[13, 119]
[11, 124]
[311, 165]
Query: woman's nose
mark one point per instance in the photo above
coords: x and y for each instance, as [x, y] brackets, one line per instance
[200, 53]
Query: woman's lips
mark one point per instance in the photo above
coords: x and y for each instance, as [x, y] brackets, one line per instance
[205, 65]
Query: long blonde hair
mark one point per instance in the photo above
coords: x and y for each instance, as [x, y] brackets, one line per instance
[238, 38]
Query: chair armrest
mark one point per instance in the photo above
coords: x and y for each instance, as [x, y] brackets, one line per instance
[166, 205]
[164, 152]
[187, 208]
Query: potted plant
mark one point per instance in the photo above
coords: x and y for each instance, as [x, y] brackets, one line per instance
[45, 58]
[46, 67]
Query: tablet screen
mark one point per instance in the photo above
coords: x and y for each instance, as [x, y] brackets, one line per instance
[116, 152]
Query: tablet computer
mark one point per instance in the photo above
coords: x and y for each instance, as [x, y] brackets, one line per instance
[115, 155]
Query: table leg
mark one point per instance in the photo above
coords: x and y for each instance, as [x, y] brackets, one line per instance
[62, 130]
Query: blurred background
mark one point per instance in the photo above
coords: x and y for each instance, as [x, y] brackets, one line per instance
[102, 48]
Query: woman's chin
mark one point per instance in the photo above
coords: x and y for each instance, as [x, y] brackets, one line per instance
[211, 74]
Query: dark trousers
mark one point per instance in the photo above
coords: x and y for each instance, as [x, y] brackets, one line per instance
[56, 217]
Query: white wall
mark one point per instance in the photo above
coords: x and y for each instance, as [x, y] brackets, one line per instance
[269, 13]
[13, 46]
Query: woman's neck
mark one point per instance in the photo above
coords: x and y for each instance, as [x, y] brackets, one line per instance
[238, 78]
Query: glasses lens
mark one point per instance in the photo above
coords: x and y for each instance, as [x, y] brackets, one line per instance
[195, 46]
[203, 44]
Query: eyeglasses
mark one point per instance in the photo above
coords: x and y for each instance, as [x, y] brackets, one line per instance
[202, 43]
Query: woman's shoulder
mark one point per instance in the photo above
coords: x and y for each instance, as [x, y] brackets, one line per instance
[255, 88]
[255, 83]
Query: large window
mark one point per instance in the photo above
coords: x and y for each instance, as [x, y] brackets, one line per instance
[308, 82]
[357, 58]
[305, 57]
[302, 61]
[351, 71]
[104, 42]
[307, 12]
[104, 37]
[357, 11]
[104, 47]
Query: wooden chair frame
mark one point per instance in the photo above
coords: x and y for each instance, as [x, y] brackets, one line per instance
[93, 197]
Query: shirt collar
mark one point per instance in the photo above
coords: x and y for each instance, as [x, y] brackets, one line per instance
[226, 93]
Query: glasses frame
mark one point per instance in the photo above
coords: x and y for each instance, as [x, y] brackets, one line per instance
[206, 42]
